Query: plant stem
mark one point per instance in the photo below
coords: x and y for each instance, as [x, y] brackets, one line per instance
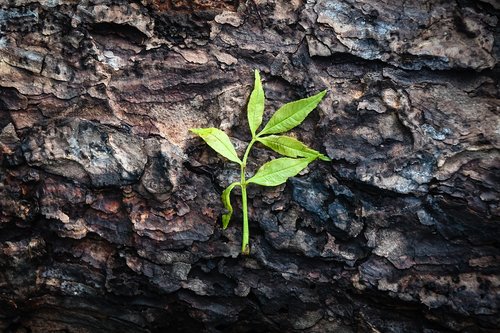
[245, 247]
[247, 151]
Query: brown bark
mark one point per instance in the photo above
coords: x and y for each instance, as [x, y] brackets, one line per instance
[110, 209]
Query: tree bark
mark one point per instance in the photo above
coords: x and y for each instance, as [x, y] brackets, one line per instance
[110, 209]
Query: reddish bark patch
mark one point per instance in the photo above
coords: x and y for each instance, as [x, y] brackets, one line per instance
[195, 5]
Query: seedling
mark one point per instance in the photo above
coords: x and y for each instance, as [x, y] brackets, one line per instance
[272, 173]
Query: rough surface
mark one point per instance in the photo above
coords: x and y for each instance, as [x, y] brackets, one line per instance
[110, 211]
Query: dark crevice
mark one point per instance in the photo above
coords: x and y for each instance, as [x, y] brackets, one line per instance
[125, 31]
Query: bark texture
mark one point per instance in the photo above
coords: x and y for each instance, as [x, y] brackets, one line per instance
[110, 209]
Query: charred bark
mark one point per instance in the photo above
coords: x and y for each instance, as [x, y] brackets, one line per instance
[110, 209]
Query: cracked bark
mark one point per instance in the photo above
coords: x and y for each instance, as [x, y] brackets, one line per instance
[110, 210]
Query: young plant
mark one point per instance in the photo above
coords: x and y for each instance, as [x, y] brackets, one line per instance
[272, 173]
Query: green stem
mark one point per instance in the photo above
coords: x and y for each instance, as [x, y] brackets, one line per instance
[245, 247]
[247, 151]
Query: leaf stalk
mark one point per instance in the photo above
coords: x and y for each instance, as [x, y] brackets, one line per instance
[245, 247]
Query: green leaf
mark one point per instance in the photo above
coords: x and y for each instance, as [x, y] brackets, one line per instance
[226, 200]
[290, 147]
[291, 114]
[219, 141]
[255, 108]
[276, 172]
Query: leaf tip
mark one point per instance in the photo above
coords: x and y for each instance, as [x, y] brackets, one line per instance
[225, 221]
[258, 80]
[325, 158]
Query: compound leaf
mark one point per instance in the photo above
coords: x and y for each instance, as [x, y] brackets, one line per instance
[290, 147]
[291, 114]
[276, 172]
[226, 200]
[255, 108]
[219, 141]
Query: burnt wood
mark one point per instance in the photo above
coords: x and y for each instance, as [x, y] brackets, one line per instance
[110, 209]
